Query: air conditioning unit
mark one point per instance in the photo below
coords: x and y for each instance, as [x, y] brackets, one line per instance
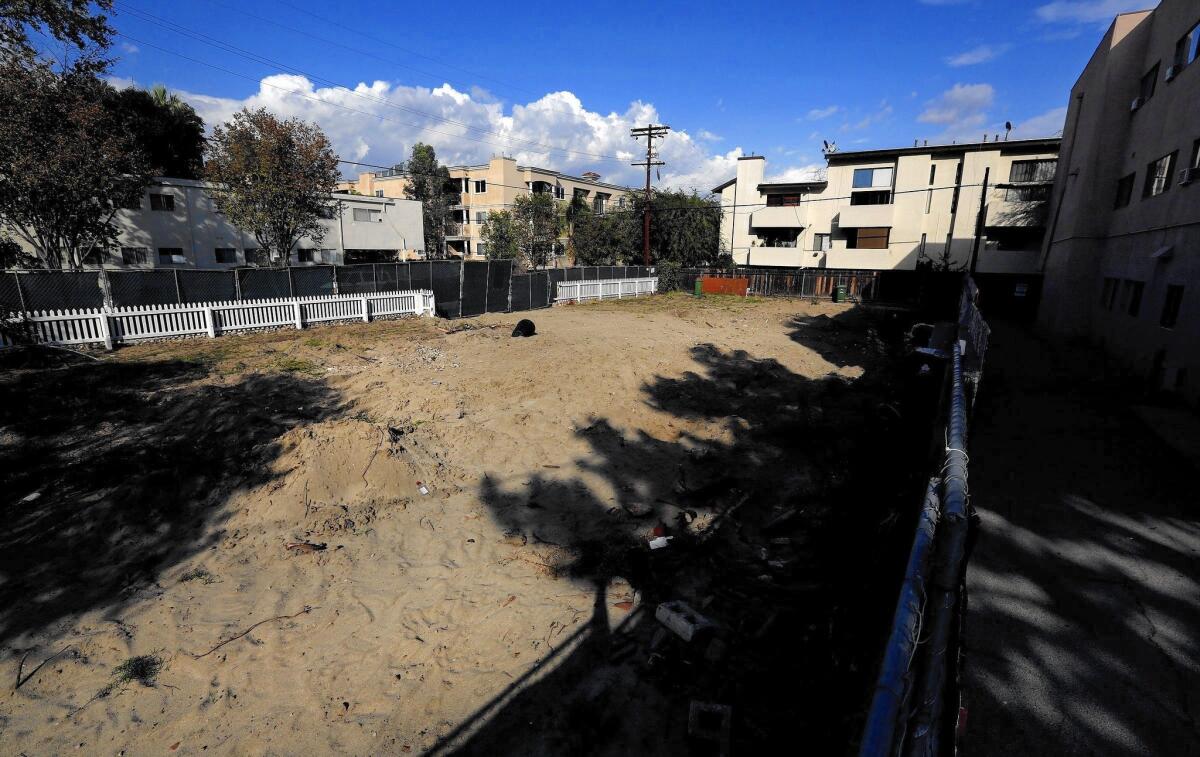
[1188, 175]
[1173, 71]
[1137, 103]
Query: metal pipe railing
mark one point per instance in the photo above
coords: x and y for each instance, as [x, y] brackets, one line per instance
[883, 719]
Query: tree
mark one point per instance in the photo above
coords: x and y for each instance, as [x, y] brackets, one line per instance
[684, 227]
[430, 182]
[275, 179]
[167, 129]
[537, 225]
[607, 239]
[572, 210]
[499, 234]
[66, 162]
[69, 21]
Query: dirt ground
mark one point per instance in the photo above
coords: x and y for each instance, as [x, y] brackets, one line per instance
[221, 546]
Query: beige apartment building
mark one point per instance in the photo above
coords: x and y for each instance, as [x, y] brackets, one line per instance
[897, 209]
[494, 185]
[1122, 261]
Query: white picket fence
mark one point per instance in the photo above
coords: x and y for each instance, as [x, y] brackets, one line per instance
[606, 289]
[109, 326]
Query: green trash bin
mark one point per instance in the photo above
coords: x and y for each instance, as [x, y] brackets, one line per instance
[698, 293]
[839, 293]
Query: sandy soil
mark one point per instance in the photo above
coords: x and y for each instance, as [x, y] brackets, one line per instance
[171, 480]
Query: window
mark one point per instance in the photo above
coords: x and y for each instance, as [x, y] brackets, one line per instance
[867, 238]
[367, 215]
[481, 249]
[1170, 310]
[560, 192]
[1158, 175]
[225, 255]
[1187, 47]
[162, 202]
[921, 253]
[784, 201]
[134, 255]
[480, 216]
[1131, 296]
[932, 174]
[598, 204]
[1108, 295]
[822, 242]
[1124, 191]
[779, 237]
[1027, 194]
[581, 193]
[929, 192]
[462, 185]
[170, 254]
[872, 178]
[1195, 162]
[874, 197]
[480, 186]
[1032, 170]
[621, 199]
[957, 188]
[1149, 81]
[379, 193]
[304, 256]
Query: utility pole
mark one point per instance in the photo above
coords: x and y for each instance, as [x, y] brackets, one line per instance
[651, 132]
[979, 222]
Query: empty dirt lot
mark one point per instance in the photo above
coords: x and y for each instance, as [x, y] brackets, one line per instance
[222, 546]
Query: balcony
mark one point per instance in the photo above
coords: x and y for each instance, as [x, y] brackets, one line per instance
[778, 218]
[786, 257]
[860, 216]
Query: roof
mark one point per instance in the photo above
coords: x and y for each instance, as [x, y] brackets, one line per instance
[793, 186]
[717, 189]
[1048, 144]
[167, 181]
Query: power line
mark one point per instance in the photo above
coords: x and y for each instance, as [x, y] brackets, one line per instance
[651, 132]
[263, 60]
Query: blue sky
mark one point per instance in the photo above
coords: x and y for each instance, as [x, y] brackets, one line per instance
[559, 84]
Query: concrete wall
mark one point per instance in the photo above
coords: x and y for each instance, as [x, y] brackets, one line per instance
[1093, 240]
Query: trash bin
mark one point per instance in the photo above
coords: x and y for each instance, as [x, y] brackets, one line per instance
[698, 287]
[839, 293]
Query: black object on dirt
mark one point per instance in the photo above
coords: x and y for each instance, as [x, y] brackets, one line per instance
[524, 327]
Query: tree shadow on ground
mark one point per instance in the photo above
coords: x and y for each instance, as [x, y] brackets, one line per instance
[114, 472]
[790, 517]
[1084, 604]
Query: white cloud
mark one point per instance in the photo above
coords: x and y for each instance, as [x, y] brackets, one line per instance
[882, 113]
[1048, 124]
[129, 48]
[705, 135]
[977, 55]
[810, 172]
[960, 110]
[369, 125]
[816, 114]
[1088, 11]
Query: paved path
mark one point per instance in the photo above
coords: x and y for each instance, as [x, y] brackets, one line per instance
[1083, 628]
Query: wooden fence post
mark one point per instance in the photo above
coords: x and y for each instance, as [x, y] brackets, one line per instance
[299, 321]
[366, 311]
[209, 322]
[105, 330]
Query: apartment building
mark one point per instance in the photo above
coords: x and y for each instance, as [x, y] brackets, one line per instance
[1122, 261]
[177, 224]
[897, 209]
[495, 185]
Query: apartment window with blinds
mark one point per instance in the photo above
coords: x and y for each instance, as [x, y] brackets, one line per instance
[481, 249]
[867, 238]
[134, 255]
[874, 197]
[822, 242]
[480, 186]
[1108, 293]
[1124, 191]
[560, 192]
[304, 256]
[1171, 305]
[1148, 83]
[873, 178]
[366, 215]
[168, 255]
[1158, 175]
[1032, 170]
[225, 255]
[1027, 194]
[162, 202]
[1188, 47]
[784, 201]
